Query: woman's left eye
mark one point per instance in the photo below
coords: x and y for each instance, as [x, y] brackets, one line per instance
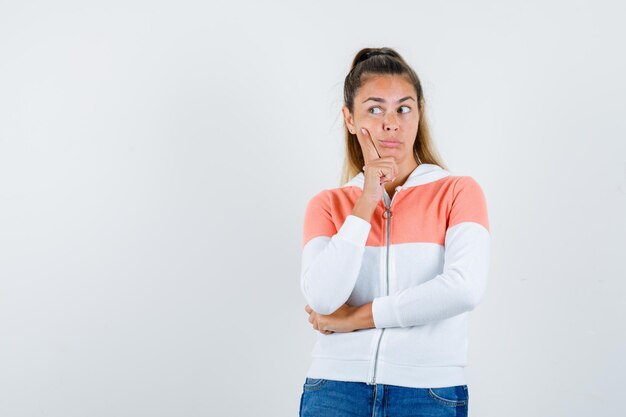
[406, 107]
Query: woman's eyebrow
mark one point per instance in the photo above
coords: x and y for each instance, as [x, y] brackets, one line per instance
[381, 100]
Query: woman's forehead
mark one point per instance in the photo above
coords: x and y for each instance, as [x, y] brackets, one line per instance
[390, 88]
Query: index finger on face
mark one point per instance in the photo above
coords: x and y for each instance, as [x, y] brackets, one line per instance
[367, 145]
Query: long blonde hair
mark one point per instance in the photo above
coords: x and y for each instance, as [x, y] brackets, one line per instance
[381, 61]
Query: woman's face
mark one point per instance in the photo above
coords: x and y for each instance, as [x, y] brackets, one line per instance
[386, 105]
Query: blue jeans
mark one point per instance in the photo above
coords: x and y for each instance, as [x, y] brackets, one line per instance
[330, 398]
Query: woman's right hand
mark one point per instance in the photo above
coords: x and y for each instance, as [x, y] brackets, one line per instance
[377, 170]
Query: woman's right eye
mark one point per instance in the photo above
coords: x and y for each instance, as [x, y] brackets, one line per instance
[373, 108]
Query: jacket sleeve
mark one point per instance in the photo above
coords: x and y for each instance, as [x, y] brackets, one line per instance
[331, 258]
[461, 285]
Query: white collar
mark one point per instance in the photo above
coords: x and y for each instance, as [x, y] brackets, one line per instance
[422, 174]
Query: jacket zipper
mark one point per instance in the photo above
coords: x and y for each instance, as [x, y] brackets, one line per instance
[388, 218]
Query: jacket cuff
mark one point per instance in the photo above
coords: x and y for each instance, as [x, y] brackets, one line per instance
[355, 230]
[383, 313]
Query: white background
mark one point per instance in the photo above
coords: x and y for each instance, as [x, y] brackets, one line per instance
[156, 159]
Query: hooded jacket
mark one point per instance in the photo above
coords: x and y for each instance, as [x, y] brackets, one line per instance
[423, 261]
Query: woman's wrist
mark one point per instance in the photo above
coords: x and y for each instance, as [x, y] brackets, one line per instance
[362, 317]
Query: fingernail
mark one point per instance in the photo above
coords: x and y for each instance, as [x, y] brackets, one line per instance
[363, 129]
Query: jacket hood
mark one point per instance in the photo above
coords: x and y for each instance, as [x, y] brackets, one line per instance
[423, 174]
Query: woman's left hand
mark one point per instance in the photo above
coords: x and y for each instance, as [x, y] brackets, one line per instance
[340, 321]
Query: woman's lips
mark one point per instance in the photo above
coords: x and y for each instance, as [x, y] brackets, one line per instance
[390, 144]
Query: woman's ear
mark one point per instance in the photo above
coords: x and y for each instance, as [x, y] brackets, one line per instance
[349, 120]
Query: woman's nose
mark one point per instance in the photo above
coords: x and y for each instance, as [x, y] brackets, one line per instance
[391, 122]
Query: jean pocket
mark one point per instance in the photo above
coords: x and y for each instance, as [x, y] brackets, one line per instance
[313, 383]
[454, 396]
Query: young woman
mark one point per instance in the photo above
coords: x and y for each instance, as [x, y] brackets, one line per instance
[393, 260]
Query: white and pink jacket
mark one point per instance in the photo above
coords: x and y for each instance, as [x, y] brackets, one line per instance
[423, 260]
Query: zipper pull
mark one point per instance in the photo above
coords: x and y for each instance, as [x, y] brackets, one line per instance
[387, 214]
